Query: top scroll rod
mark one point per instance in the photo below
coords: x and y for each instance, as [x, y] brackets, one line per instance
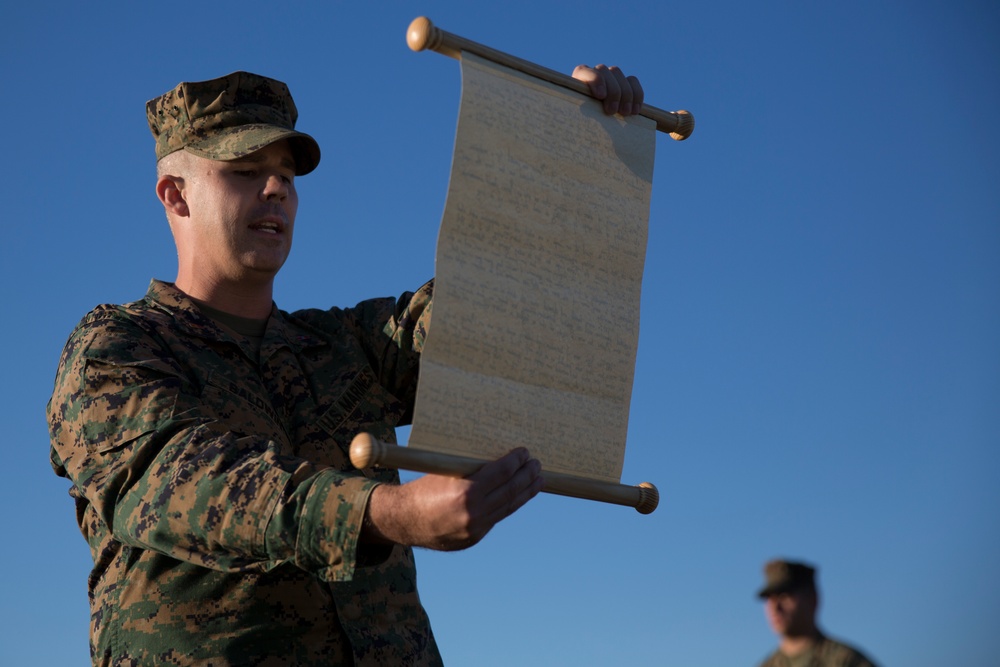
[422, 34]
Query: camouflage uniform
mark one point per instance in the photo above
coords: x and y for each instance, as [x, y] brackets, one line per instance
[215, 489]
[825, 653]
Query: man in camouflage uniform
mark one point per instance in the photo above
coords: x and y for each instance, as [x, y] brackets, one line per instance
[790, 603]
[206, 432]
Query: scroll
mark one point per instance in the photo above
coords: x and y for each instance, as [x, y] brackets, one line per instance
[537, 284]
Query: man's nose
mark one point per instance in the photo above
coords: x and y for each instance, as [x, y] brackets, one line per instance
[274, 187]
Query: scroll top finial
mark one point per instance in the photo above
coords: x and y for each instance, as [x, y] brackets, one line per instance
[685, 125]
[422, 34]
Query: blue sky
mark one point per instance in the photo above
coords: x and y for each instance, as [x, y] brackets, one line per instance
[819, 359]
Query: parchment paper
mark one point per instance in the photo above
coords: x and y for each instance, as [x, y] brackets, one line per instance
[538, 274]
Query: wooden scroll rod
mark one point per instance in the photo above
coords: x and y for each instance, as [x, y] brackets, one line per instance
[366, 452]
[422, 34]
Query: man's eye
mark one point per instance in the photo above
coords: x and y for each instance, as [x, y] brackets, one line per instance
[250, 173]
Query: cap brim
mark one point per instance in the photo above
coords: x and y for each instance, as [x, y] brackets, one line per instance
[243, 140]
[786, 587]
[774, 590]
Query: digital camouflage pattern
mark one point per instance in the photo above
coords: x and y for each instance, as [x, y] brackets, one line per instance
[215, 490]
[826, 653]
[229, 117]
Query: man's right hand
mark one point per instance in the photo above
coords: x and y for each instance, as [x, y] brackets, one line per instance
[450, 513]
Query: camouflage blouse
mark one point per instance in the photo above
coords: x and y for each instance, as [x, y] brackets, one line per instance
[825, 653]
[214, 488]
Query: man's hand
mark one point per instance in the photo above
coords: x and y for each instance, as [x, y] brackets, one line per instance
[620, 94]
[449, 513]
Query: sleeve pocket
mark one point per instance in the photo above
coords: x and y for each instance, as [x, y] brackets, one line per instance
[123, 402]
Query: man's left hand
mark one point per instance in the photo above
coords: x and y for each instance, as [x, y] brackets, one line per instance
[621, 94]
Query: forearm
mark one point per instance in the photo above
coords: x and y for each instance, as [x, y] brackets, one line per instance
[226, 503]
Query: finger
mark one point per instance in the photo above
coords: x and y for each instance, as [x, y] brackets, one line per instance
[522, 486]
[624, 91]
[593, 79]
[496, 473]
[612, 100]
[638, 96]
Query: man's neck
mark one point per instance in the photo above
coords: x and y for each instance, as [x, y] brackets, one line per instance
[795, 645]
[247, 299]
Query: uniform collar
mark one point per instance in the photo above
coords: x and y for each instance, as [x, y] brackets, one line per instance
[166, 296]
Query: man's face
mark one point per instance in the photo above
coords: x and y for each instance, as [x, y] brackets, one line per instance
[242, 213]
[791, 614]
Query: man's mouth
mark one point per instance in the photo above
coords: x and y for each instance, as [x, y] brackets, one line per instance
[268, 227]
[269, 224]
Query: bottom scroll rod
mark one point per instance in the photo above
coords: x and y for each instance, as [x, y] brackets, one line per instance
[366, 451]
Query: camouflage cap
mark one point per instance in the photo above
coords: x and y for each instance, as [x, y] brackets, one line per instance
[782, 576]
[228, 118]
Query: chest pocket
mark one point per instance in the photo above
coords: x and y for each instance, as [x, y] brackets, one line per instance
[242, 409]
[363, 405]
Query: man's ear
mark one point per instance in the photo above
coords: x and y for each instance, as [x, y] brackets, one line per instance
[170, 191]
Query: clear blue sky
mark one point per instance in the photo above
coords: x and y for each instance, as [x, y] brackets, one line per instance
[819, 359]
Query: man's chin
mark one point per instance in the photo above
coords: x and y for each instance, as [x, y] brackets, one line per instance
[779, 628]
[266, 266]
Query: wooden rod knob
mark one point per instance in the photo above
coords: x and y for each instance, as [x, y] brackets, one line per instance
[421, 33]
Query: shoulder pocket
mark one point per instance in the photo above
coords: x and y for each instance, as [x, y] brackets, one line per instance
[121, 402]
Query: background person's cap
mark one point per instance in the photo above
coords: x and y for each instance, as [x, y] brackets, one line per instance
[782, 576]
